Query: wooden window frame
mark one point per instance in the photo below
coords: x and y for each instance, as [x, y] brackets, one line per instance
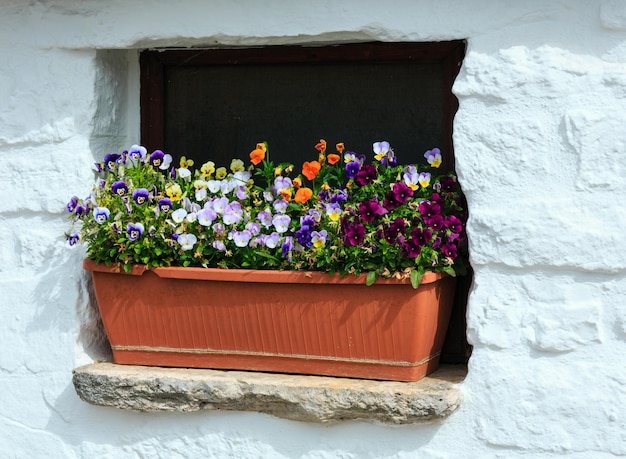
[154, 62]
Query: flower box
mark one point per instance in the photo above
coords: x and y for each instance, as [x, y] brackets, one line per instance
[277, 321]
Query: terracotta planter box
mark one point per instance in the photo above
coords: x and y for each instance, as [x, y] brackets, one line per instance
[278, 321]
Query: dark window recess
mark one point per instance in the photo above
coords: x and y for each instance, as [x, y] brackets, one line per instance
[216, 104]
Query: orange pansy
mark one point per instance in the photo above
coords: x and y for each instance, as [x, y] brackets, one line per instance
[303, 195]
[286, 194]
[310, 169]
[340, 147]
[321, 147]
[258, 154]
[333, 158]
[297, 182]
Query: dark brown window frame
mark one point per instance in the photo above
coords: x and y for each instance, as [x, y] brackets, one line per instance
[154, 62]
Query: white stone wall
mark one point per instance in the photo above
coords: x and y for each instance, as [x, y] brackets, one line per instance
[540, 138]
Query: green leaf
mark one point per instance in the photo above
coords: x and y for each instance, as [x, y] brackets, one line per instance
[416, 278]
[450, 271]
[371, 278]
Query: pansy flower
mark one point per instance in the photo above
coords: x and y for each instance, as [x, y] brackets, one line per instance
[333, 211]
[433, 157]
[265, 217]
[281, 222]
[272, 240]
[449, 250]
[454, 224]
[206, 216]
[183, 173]
[207, 169]
[221, 173]
[258, 154]
[310, 169]
[380, 150]
[428, 209]
[173, 191]
[237, 165]
[333, 158]
[220, 204]
[369, 210]
[280, 206]
[421, 236]
[187, 241]
[352, 168]
[321, 146]
[72, 204]
[214, 185]
[242, 238]
[303, 195]
[119, 188]
[185, 163]
[282, 183]
[73, 239]
[424, 179]
[140, 196]
[402, 192]
[156, 158]
[136, 153]
[112, 160]
[165, 205]
[411, 177]
[366, 175]
[179, 215]
[233, 213]
[318, 238]
[448, 184]
[101, 214]
[134, 231]
[219, 246]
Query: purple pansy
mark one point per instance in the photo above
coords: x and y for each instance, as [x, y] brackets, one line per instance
[352, 168]
[281, 222]
[454, 224]
[73, 239]
[366, 175]
[119, 188]
[112, 160]
[391, 201]
[137, 153]
[156, 158]
[165, 205]
[353, 233]
[134, 230]
[433, 157]
[447, 184]
[101, 214]
[206, 216]
[421, 236]
[140, 196]
[72, 204]
[370, 209]
[449, 250]
[402, 192]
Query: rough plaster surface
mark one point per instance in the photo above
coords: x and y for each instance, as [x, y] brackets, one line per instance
[539, 139]
[300, 398]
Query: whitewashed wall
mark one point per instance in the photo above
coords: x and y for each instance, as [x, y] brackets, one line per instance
[540, 138]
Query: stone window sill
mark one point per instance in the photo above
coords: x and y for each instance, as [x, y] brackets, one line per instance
[296, 397]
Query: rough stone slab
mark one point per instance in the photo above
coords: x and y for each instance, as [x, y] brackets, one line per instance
[296, 397]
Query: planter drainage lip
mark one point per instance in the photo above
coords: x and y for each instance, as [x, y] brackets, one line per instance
[296, 397]
[250, 275]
